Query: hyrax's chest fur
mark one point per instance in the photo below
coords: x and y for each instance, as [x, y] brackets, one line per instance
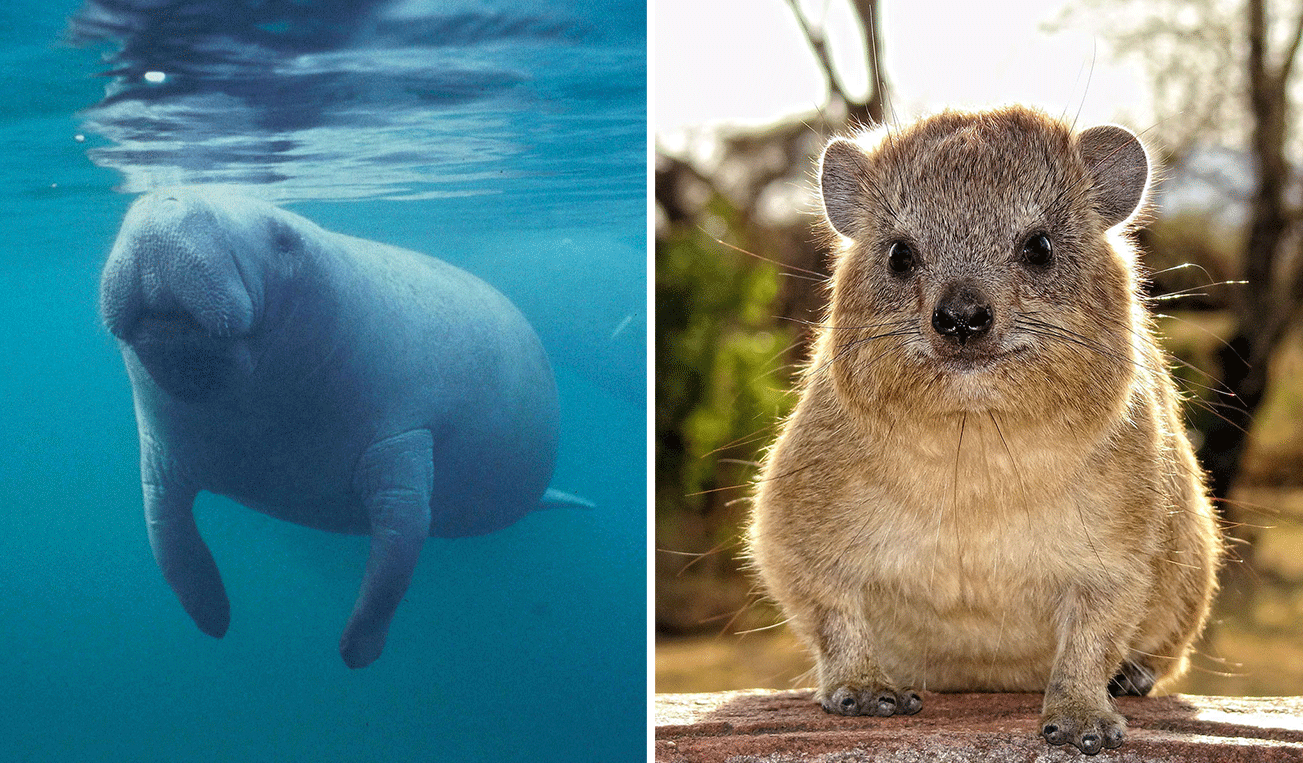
[986, 483]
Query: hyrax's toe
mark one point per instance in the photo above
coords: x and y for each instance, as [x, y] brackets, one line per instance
[873, 700]
[909, 702]
[1088, 731]
[1134, 678]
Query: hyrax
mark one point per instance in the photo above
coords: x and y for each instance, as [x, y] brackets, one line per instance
[985, 484]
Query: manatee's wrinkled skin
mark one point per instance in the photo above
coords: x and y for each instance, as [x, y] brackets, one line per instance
[325, 380]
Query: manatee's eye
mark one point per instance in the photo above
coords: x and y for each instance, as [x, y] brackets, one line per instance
[285, 239]
[900, 258]
[1037, 250]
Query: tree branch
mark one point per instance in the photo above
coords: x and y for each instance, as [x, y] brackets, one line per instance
[819, 45]
[1288, 63]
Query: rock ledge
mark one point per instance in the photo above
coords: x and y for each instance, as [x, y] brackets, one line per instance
[787, 727]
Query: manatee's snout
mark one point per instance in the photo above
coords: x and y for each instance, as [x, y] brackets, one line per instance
[175, 267]
[174, 290]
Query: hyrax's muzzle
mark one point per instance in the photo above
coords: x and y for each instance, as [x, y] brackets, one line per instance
[963, 314]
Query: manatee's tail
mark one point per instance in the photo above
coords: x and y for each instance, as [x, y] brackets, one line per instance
[555, 499]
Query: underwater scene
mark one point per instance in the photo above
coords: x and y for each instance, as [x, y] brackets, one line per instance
[506, 138]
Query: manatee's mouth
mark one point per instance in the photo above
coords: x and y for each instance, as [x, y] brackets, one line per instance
[170, 322]
[183, 357]
[166, 324]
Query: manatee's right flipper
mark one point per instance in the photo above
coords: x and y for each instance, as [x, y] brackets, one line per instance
[181, 554]
[394, 477]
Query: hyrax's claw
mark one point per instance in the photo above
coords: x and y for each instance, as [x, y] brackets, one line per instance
[1053, 734]
[910, 702]
[1090, 733]
[877, 701]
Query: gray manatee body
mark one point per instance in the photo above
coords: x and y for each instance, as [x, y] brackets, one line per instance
[324, 380]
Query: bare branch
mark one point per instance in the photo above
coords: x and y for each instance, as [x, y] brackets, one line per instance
[1288, 63]
[819, 46]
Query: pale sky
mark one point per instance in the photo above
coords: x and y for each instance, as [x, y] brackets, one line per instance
[746, 61]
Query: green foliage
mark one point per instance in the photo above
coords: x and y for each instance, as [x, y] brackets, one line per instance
[721, 380]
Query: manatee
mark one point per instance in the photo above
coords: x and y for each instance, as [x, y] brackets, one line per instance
[325, 380]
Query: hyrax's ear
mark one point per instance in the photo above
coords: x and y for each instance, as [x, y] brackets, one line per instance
[1117, 163]
[841, 183]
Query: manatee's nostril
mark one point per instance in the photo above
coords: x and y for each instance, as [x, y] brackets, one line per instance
[962, 318]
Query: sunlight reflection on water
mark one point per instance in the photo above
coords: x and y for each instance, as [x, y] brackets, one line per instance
[365, 99]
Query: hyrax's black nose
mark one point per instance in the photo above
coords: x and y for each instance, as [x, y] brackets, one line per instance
[962, 314]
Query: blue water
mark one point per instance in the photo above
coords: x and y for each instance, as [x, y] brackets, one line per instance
[506, 138]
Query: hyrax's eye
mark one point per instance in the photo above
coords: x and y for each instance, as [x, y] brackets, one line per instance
[1037, 250]
[900, 258]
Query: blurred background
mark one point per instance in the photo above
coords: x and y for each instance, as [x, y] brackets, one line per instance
[747, 92]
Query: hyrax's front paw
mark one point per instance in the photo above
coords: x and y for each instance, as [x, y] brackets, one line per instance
[871, 700]
[1088, 729]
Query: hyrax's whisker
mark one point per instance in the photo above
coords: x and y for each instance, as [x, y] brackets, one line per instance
[1260, 508]
[751, 602]
[1122, 323]
[1218, 659]
[783, 475]
[727, 617]
[1213, 409]
[1220, 673]
[761, 628]
[881, 197]
[1213, 405]
[1249, 525]
[1058, 332]
[1190, 385]
[772, 358]
[743, 440]
[1182, 564]
[1205, 331]
[858, 327]
[791, 269]
[696, 556]
[858, 342]
[801, 276]
[1193, 291]
[1071, 195]
[1090, 76]
[1217, 385]
[1179, 295]
[708, 491]
[1184, 266]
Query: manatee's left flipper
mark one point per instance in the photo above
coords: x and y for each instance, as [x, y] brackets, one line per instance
[394, 478]
[182, 555]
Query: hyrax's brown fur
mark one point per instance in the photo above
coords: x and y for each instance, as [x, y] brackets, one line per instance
[986, 485]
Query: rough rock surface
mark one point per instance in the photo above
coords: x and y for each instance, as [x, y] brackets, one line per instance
[787, 727]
